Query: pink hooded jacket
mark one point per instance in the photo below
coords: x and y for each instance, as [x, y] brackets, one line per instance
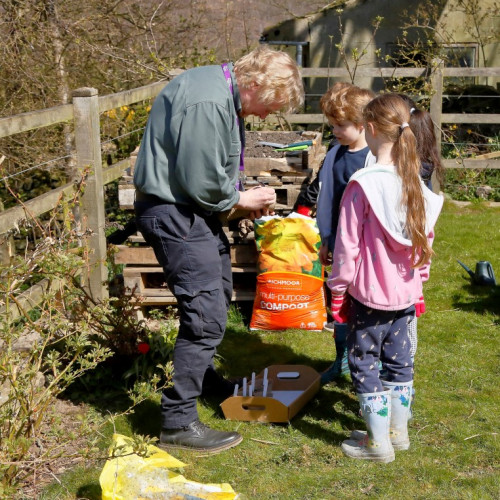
[372, 256]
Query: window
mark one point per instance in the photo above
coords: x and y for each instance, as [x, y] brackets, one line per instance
[459, 56]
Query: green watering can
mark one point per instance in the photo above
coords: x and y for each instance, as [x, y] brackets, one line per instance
[484, 274]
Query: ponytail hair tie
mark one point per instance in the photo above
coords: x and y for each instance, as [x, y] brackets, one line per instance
[412, 110]
[404, 125]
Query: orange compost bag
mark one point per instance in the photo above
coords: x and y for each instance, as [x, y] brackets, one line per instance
[290, 280]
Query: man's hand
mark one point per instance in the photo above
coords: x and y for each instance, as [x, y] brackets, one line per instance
[420, 307]
[338, 308]
[259, 201]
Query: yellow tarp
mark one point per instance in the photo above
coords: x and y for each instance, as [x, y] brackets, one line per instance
[128, 476]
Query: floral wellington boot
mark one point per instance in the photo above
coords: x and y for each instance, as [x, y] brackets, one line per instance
[376, 444]
[400, 407]
[401, 396]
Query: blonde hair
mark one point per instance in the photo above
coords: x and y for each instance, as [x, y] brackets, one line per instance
[390, 116]
[276, 74]
[345, 102]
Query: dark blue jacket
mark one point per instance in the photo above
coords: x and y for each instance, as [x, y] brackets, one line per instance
[327, 200]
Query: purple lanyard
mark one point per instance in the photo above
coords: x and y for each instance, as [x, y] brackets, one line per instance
[241, 177]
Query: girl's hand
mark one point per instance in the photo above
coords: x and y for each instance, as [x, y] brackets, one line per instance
[338, 308]
[420, 307]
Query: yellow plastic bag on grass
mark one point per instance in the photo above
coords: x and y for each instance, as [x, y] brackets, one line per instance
[128, 476]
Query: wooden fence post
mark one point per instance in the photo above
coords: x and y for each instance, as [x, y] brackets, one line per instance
[6, 244]
[88, 153]
[436, 109]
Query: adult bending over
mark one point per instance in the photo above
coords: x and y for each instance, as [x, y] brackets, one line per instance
[186, 174]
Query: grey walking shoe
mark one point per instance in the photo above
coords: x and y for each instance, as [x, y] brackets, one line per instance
[329, 327]
[199, 437]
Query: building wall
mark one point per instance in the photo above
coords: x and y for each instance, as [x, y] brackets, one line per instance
[353, 28]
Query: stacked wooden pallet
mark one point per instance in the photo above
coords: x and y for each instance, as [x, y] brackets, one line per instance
[287, 175]
[144, 276]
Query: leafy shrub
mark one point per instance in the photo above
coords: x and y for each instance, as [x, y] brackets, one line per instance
[50, 344]
[62, 347]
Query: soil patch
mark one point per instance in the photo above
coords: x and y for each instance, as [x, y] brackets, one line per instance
[254, 150]
[62, 430]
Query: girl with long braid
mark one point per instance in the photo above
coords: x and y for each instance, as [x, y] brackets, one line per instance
[381, 258]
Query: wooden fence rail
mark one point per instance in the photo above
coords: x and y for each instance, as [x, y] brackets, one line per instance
[85, 112]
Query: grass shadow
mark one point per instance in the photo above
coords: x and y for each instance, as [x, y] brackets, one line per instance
[106, 391]
[145, 419]
[102, 388]
[478, 299]
[90, 492]
[243, 352]
[240, 353]
[330, 405]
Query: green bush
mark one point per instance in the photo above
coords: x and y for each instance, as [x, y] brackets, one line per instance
[66, 344]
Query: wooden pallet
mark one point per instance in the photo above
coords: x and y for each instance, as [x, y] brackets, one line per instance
[149, 284]
[287, 190]
[299, 162]
[233, 236]
[144, 276]
[241, 255]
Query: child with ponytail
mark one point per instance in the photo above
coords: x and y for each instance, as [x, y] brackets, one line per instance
[381, 258]
[422, 126]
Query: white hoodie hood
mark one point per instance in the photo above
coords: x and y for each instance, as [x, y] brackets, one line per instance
[382, 186]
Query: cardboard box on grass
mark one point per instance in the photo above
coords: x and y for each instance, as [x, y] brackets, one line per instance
[290, 387]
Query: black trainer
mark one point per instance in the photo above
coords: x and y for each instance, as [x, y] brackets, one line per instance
[199, 437]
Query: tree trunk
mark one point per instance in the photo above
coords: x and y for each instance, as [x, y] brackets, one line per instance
[62, 83]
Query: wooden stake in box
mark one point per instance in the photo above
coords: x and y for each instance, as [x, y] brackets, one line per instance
[276, 394]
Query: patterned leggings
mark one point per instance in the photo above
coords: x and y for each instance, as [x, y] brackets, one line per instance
[374, 336]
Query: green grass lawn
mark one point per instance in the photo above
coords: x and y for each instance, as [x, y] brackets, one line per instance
[454, 451]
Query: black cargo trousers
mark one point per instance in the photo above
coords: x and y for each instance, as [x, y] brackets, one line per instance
[193, 250]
